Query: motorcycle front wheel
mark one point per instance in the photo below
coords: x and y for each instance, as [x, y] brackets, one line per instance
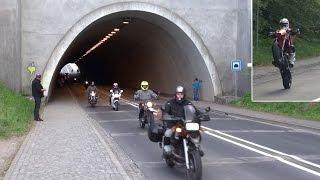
[141, 123]
[116, 104]
[195, 166]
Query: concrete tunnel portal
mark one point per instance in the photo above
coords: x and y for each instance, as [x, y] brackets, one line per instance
[150, 47]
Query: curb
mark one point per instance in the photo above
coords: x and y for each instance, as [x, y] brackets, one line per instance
[111, 147]
[24, 146]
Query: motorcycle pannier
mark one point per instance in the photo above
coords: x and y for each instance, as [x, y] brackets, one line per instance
[155, 132]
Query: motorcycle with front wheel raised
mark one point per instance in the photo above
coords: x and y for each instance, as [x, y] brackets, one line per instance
[281, 48]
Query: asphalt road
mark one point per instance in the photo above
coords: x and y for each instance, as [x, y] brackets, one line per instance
[305, 87]
[226, 156]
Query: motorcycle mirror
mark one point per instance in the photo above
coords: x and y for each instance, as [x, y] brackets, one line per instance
[208, 109]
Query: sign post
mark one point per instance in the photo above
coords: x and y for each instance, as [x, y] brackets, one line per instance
[235, 68]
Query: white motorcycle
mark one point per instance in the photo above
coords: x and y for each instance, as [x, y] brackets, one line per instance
[93, 98]
[115, 98]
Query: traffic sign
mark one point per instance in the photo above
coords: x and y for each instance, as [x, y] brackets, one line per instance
[236, 65]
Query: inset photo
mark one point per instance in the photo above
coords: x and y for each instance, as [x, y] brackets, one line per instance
[286, 51]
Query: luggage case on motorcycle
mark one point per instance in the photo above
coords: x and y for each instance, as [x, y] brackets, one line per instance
[155, 132]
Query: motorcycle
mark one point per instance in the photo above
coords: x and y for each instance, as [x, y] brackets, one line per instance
[185, 141]
[93, 99]
[281, 48]
[115, 97]
[148, 110]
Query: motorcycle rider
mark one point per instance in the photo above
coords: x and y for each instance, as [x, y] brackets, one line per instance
[175, 108]
[115, 88]
[144, 94]
[91, 88]
[284, 25]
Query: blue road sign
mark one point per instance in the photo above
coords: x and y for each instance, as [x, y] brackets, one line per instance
[236, 65]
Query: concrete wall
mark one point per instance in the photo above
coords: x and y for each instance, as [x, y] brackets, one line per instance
[222, 26]
[10, 61]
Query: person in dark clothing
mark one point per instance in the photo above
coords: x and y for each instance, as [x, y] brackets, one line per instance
[175, 108]
[37, 93]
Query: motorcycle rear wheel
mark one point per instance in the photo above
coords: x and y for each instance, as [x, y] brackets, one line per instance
[286, 76]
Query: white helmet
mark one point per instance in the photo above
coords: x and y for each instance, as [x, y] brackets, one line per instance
[284, 22]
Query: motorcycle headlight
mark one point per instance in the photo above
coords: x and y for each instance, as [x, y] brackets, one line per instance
[178, 130]
[192, 127]
[92, 93]
[149, 104]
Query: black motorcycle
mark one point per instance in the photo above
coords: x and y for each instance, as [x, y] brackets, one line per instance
[93, 99]
[148, 108]
[185, 140]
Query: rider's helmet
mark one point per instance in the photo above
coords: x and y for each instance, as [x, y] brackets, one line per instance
[284, 23]
[179, 94]
[144, 85]
[115, 85]
[92, 83]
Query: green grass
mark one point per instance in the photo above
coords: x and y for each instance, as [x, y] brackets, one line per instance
[299, 110]
[304, 49]
[15, 113]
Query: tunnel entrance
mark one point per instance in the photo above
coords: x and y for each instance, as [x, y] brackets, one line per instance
[151, 47]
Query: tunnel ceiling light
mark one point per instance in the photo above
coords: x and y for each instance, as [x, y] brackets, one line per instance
[115, 30]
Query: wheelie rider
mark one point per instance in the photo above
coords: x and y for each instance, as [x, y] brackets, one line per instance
[175, 108]
[115, 87]
[284, 25]
[91, 88]
[143, 95]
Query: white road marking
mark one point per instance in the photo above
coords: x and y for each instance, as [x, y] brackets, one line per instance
[263, 147]
[316, 100]
[258, 151]
[266, 154]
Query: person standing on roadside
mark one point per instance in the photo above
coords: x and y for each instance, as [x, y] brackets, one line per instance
[37, 93]
[196, 89]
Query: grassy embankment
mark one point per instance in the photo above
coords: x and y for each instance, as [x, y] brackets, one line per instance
[15, 113]
[299, 110]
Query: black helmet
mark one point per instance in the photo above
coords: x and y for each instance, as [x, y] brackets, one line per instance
[180, 94]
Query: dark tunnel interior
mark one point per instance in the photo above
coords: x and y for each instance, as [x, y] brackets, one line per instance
[149, 48]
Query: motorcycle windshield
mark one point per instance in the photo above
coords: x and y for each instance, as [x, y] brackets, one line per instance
[189, 112]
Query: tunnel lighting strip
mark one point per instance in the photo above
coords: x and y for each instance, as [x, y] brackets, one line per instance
[113, 32]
